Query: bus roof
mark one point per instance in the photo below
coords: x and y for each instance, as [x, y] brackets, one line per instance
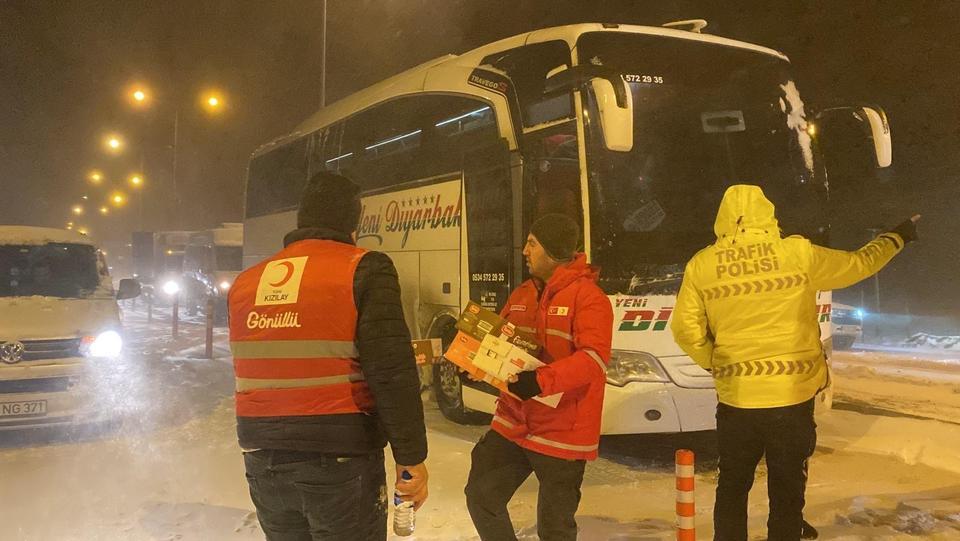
[412, 80]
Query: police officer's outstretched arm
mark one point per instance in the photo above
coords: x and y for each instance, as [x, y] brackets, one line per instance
[836, 269]
[689, 326]
[389, 366]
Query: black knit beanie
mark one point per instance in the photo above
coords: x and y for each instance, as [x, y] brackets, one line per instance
[330, 201]
[558, 234]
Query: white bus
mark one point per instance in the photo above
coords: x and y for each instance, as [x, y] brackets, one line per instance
[634, 131]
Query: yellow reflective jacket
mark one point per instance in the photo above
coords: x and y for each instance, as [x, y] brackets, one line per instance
[747, 306]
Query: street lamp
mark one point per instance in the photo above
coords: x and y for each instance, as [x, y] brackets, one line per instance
[211, 100]
[113, 143]
[136, 182]
[77, 209]
[95, 177]
[104, 211]
[118, 199]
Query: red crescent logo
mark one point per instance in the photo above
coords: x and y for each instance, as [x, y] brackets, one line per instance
[289, 266]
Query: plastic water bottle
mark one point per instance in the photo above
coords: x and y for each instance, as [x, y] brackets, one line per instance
[404, 517]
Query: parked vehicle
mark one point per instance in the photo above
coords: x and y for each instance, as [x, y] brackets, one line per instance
[847, 324]
[58, 314]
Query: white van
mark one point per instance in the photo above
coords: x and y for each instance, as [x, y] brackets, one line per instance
[847, 325]
[58, 309]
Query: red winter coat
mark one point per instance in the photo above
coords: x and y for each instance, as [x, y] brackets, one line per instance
[573, 319]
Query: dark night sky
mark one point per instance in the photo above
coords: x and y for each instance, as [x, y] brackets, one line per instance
[64, 65]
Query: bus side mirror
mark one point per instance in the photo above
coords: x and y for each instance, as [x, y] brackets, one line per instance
[128, 289]
[880, 132]
[614, 100]
[873, 125]
[616, 122]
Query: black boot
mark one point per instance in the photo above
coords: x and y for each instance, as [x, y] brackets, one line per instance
[808, 532]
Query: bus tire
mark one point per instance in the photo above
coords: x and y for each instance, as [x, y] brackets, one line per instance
[449, 392]
[447, 386]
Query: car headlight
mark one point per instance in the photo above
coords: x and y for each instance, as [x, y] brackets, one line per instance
[171, 287]
[627, 366]
[105, 344]
[224, 285]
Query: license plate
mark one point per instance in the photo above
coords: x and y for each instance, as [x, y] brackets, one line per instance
[26, 408]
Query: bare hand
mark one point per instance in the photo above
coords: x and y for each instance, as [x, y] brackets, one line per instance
[414, 489]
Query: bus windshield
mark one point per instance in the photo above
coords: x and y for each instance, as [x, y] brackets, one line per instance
[706, 117]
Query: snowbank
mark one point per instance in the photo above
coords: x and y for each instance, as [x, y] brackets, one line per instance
[928, 442]
[921, 339]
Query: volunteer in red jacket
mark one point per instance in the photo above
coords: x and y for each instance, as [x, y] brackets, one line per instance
[573, 319]
[325, 377]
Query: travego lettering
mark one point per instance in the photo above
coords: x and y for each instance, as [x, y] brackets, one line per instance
[277, 321]
[747, 260]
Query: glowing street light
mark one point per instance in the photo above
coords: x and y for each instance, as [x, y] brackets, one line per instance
[113, 143]
[136, 180]
[213, 102]
[77, 209]
[104, 211]
[95, 177]
[118, 199]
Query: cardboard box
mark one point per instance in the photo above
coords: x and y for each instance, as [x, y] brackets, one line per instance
[491, 349]
[427, 351]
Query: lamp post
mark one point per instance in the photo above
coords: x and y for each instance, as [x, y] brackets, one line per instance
[136, 182]
[211, 100]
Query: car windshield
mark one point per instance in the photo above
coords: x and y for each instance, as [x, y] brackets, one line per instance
[705, 117]
[50, 270]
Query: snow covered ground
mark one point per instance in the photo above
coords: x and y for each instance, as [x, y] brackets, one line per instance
[164, 465]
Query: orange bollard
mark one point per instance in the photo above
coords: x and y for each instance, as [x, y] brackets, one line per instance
[685, 504]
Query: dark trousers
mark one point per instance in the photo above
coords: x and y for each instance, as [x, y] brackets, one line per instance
[498, 468]
[787, 436]
[303, 496]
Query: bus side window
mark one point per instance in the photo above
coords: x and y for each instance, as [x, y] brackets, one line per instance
[413, 138]
[276, 179]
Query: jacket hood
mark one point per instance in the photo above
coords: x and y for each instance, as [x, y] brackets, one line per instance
[570, 272]
[745, 207]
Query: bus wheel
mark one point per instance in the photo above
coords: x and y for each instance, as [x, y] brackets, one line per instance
[449, 392]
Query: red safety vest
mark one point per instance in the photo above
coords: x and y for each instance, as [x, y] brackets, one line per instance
[293, 325]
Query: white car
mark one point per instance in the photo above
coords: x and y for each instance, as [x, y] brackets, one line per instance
[58, 312]
[847, 325]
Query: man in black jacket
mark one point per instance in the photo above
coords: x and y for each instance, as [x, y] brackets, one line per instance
[318, 397]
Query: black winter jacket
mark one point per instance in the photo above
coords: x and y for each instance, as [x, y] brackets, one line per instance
[388, 365]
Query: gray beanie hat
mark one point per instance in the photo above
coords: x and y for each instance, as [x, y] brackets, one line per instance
[558, 234]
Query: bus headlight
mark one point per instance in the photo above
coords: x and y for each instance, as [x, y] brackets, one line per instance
[105, 344]
[627, 366]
